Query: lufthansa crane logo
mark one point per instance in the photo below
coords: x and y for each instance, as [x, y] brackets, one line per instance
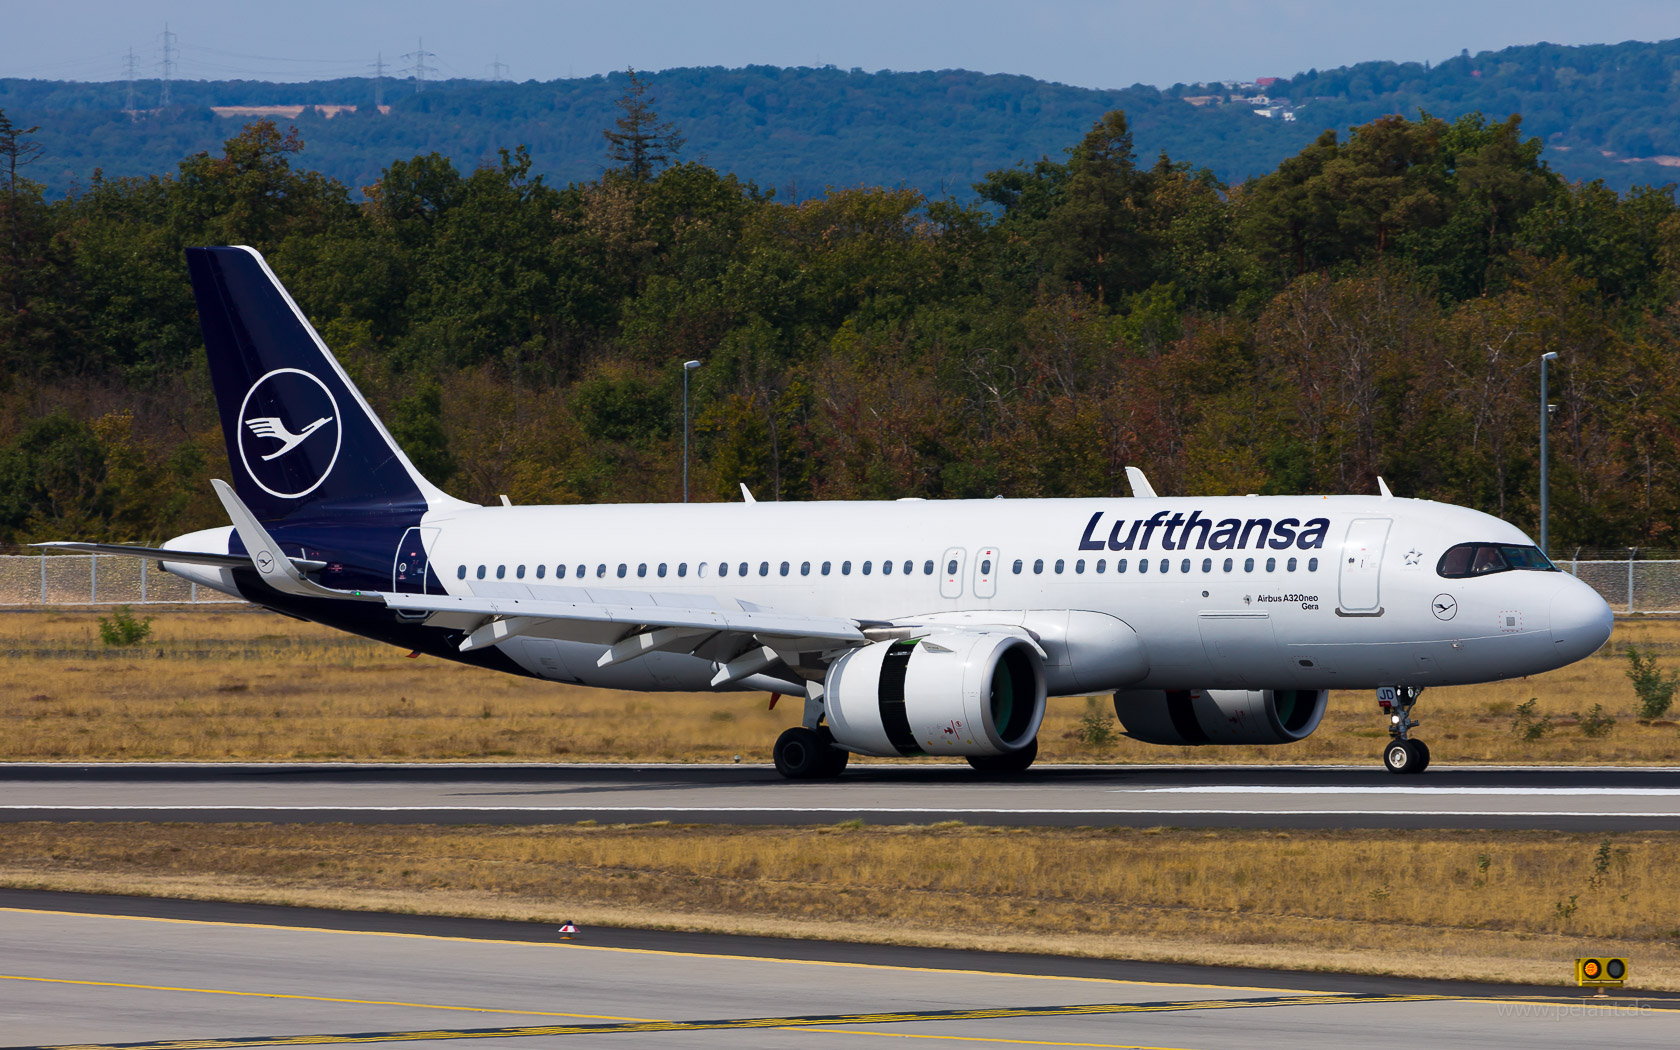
[1445, 607]
[289, 433]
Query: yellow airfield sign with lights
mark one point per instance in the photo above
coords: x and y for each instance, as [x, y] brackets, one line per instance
[1600, 972]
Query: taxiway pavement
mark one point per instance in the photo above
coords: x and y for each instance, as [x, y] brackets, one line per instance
[1555, 798]
[76, 973]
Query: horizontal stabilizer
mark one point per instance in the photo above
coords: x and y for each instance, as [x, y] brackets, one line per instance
[226, 561]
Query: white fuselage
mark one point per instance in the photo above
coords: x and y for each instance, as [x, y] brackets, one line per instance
[1304, 592]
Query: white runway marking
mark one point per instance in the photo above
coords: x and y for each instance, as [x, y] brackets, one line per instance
[1303, 789]
[849, 810]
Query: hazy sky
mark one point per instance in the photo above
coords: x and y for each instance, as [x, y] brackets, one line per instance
[1083, 42]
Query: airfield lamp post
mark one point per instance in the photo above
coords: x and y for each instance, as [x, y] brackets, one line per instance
[687, 367]
[1545, 420]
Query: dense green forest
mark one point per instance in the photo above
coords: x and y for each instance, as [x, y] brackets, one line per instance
[802, 130]
[1374, 305]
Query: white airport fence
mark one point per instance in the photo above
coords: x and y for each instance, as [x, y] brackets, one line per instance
[1630, 586]
[96, 579]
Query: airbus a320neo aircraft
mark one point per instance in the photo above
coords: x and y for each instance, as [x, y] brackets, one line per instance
[908, 627]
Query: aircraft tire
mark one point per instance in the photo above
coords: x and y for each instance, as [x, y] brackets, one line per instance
[834, 759]
[1014, 762]
[801, 754]
[1423, 749]
[1405, 757]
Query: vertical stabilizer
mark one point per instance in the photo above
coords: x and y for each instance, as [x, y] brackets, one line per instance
[300, 436]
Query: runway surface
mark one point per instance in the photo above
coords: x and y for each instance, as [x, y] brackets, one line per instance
[1559, 798]
[231, 975]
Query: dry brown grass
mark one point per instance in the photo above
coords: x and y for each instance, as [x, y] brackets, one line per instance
[220, 685]
[1494, 905]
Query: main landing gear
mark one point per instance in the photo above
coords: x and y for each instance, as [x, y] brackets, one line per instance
[809, 754]
[1403, 754]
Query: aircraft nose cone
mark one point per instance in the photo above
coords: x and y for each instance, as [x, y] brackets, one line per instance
[1580, 621]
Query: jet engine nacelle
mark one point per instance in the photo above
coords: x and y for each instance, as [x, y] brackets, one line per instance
[946, 693]
[1220, 716]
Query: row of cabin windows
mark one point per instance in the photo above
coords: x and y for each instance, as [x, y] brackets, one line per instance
[1184, 565]
[868, 567]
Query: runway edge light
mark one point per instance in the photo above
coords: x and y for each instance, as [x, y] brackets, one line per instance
[1601, 972]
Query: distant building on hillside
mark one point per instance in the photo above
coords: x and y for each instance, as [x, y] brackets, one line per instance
[328, 110]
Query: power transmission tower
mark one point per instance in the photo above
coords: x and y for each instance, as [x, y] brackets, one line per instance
[129, 70]
[419, 69]
[168, 64]
[379, 81]
[498, 69]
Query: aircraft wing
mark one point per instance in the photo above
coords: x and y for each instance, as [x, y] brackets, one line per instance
[743, 640]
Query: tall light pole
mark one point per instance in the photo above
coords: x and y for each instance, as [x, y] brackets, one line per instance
[689, 367]
[1545, 420]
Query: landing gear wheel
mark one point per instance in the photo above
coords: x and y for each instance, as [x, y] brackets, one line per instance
[1013, 762]
[834, 759]
[1405, 756]
[799, 754]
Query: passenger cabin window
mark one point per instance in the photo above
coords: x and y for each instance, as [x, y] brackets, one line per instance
[541, 569]
[662, 570]
[641, 571]
[622, 570]
[1079, 566]
[1184, 566]
[845, 568]
[985, 566]
[501, 572]
[784, 568]
[804, 568]
[886, 568]
[1207, 564]
[519, 573]
[559, 572]
[1290, 565]
[582, 571]
[1482, 559]
[826, 566]
[1248, 565]
[1060, 565]
[1120, 565]
[1312, 564]
[1166, 565]
[723, 568]
[1038, 565]
[866, 567]
[909, 566]
[461, 573]
[741, 569]
[1229, 564]
[1143, 565]
[481, 572]
[1017, 566]
[927, 567]
[682, 569]
[600, 570]
[1102, 566]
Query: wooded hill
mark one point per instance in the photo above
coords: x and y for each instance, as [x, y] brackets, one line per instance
[1375, 304]
[801, 130]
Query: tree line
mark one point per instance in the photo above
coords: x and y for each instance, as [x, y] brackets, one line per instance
[1375, 305]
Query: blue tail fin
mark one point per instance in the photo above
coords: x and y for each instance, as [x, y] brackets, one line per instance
[300, 436]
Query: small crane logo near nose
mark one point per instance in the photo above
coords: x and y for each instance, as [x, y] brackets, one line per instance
[1446, 607]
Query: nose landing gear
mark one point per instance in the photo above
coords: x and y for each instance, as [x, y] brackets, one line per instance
[1403, 754]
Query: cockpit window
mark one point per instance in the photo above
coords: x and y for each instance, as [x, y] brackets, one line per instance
[1480, 559]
